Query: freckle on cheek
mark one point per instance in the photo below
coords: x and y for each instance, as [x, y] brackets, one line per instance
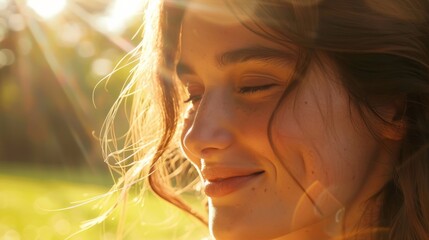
[253, 189]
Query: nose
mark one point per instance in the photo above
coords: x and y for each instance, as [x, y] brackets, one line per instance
[211, 127]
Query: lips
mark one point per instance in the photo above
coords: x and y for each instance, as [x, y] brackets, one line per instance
[223, 181]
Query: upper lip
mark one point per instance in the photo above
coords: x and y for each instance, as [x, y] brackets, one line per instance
[213, 174]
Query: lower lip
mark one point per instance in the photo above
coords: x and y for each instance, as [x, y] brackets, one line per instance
[228, 185]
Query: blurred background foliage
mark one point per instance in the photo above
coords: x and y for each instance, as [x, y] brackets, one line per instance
[54, 55]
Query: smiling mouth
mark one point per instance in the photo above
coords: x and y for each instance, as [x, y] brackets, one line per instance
[219, 187]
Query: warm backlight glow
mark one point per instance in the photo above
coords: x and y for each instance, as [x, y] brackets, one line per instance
[47, 8]
[119, 13]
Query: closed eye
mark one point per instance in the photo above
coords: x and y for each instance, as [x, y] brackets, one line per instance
[253, 89]
[193, 99]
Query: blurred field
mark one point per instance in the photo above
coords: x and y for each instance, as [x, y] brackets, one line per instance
[32, 202]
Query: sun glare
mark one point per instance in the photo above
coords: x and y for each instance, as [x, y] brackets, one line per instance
[119, 13]
[47, 8]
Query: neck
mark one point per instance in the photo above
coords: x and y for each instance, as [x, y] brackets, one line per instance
[329, 228]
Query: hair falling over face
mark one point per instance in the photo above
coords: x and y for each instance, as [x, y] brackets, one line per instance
[337, 92]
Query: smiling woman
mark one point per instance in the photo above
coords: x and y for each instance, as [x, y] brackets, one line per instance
[303, 119]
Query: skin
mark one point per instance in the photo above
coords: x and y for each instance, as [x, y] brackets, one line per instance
[327, 164]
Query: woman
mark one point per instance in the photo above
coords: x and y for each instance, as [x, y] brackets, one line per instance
[304, 119]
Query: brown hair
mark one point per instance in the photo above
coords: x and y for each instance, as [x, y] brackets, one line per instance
[381, 50]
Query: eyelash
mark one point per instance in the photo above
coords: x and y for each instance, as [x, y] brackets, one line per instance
[243, 90]
[193, 99]
[253, 89]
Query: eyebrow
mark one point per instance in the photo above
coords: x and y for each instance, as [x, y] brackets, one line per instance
[241, 55]
[254, 54]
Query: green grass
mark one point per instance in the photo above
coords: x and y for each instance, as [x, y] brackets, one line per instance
[34, 204]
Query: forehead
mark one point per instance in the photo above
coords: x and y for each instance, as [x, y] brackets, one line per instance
[219, 11]
[210, 28]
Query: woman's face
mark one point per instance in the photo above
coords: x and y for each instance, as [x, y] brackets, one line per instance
[326, 159]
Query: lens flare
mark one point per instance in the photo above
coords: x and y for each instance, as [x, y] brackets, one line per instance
[47, 8]
[119, 14]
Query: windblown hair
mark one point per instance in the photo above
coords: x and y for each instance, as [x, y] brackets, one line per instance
[380, 48]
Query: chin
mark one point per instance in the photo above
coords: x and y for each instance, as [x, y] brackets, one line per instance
[235, 232]
[234, 235]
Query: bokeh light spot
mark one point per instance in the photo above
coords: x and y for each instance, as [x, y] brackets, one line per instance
[109, 236]
[16, 22]
[7, 57]
[62, 226]
[86, 49]
[3, 4]
[102, 66]
[11, 234]
[71, 34]
[47, 8]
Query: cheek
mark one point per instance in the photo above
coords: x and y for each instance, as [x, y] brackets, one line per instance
[321, 138]
[252, 122]
[295, 133]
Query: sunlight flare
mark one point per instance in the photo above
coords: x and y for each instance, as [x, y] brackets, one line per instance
[47, 8]
[119, 13]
